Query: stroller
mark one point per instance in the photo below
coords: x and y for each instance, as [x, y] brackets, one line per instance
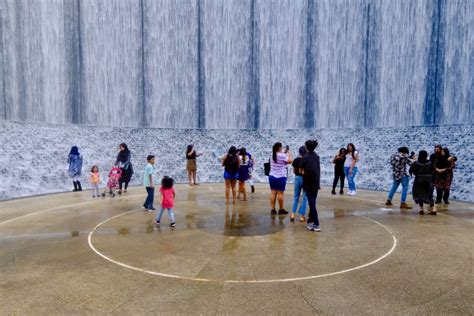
[113, 180]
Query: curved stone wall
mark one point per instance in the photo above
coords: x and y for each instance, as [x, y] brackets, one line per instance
[33, 156]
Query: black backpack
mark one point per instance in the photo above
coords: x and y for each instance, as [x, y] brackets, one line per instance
[266, 168]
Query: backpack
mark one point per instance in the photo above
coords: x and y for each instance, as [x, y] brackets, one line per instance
[266, 168]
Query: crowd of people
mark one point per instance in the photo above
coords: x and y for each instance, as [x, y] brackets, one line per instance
[433, 172]
[307, 172]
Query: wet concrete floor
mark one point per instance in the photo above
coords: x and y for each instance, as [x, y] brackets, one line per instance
[70, 253]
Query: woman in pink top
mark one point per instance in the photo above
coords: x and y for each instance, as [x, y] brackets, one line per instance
[166, 200]
[277, 178]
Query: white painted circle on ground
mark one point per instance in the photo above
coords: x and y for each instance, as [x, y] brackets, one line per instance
[389, 252]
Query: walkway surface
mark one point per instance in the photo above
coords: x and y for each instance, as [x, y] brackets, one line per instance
[70, 253]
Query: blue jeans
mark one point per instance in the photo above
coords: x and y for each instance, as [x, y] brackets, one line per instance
[404, 181]
[350, 178]
[298, 188]
[313, 211]
[170, 214]
[150, 197]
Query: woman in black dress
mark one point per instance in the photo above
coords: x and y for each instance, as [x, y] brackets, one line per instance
[422, 169]
[443, 178]
[124, 162]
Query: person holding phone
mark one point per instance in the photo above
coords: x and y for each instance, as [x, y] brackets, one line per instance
[278, 175]
[191, 165]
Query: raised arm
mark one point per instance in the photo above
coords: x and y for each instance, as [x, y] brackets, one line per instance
[223, 160]
[290, 158]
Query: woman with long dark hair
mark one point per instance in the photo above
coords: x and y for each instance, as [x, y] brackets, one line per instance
[191, 165]
[124, 162]
[243, 172]
[350, 168]
[277, 177]
[339, 174]
[422, 169]
[75, 167]
[444, 175]
[231, 164]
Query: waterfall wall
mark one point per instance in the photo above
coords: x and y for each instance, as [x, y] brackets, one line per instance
[237, 64]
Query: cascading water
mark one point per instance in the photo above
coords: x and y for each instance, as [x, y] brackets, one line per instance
[238, 63]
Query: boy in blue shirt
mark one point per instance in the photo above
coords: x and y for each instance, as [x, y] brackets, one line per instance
[148, 183]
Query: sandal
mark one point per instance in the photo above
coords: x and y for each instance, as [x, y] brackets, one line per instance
[292, 217]
[302, 219]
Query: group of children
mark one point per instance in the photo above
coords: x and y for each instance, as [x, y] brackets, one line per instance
[167, 193]
[121, 173]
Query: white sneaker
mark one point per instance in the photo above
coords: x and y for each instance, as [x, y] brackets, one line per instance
[354, 193]
[349, 192]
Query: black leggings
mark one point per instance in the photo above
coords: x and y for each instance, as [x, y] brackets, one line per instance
[442, 194]
[122, 181]
[338, 176]
[125, 178]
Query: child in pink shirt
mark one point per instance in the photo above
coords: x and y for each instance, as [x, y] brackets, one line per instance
[166, 200]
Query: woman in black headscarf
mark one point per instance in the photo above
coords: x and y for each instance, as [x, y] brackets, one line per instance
[422, 169]
[75, 167]
[123, 161]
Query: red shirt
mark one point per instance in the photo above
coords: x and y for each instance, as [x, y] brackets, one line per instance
[168, 197]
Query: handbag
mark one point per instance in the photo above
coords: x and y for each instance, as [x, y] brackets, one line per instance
[266, 168]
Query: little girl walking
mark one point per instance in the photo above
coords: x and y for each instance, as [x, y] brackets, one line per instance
[167, 195]
[94, 179]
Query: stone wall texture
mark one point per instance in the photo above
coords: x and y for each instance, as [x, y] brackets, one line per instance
[33, 158]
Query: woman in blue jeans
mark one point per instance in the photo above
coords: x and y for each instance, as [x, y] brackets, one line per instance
[350, 168]
[298, 187]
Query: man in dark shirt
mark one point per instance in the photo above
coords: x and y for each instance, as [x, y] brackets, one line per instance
[311, 183]
[436, 155]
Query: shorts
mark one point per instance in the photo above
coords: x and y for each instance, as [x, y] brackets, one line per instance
[191, 165]
[277, 184]
[231, 176]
